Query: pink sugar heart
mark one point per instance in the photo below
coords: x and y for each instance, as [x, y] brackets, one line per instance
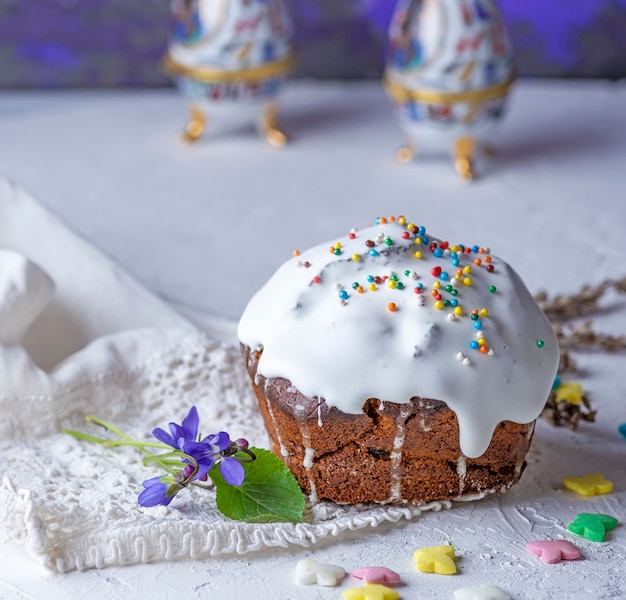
[376, 575]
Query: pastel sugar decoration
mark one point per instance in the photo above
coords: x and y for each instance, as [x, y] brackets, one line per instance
[435, 559]
[592, 526]
[589, 485]
[371, 591]
[377, 575]
[481, 592]
[553, 551]
[569, 392]
[310, 572]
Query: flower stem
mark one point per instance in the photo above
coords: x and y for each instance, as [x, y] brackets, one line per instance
[83, 436]
[112, 428]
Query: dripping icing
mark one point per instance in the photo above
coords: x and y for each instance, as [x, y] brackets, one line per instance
[364, 349]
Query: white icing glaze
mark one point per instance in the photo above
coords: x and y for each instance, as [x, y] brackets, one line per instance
[348, 350]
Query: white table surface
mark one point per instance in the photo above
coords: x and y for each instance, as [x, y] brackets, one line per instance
[204, 226]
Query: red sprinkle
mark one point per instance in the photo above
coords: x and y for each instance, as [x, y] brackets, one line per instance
[435, 271]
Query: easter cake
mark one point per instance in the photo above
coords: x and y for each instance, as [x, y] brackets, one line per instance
[392, 366]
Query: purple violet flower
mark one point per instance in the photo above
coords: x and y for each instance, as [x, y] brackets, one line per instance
[179, 434]
[156, 492]
[209, 452]
[198, 457]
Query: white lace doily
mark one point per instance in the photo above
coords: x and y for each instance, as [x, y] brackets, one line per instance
[73, 504]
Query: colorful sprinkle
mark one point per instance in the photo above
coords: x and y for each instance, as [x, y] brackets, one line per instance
[485, 591]
[589, 485]
[493, 289]
[377, 575]
[553, 551]
[592, 526]
[436, 559]
[540, 343]
[392, 307]
[371, 591]
[310, 572]
[568, 391]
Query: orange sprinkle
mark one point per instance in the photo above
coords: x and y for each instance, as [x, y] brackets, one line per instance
[392, 306]
[296, 252]
[484, 349]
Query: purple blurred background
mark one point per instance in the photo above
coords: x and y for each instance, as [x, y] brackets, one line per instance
[100, 43]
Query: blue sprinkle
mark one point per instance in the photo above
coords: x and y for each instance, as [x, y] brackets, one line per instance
[622, 429]
[370, 278]
[438, 252]
[421, 230]
[424, 240]
[420, 286]
[474, 345]
[557, 382]
[444, 276]
[478, 325]
[343, 295]
[475, 249]
[373, 252]
[454, 302]
[455, 262]
[454, 255]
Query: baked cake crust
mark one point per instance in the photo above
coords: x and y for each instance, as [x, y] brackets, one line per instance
[391, 453]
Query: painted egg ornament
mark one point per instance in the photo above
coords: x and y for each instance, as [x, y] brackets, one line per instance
[229, 59]
[448, 73]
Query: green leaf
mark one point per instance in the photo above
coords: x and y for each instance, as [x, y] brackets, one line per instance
[269, 493]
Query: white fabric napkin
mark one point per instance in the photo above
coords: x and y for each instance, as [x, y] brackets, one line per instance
[78, 335]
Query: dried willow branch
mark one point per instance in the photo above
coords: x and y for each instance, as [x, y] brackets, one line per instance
[561, 310]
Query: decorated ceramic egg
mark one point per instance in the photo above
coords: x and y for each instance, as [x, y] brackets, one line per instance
[448, 73]
[231, 57]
